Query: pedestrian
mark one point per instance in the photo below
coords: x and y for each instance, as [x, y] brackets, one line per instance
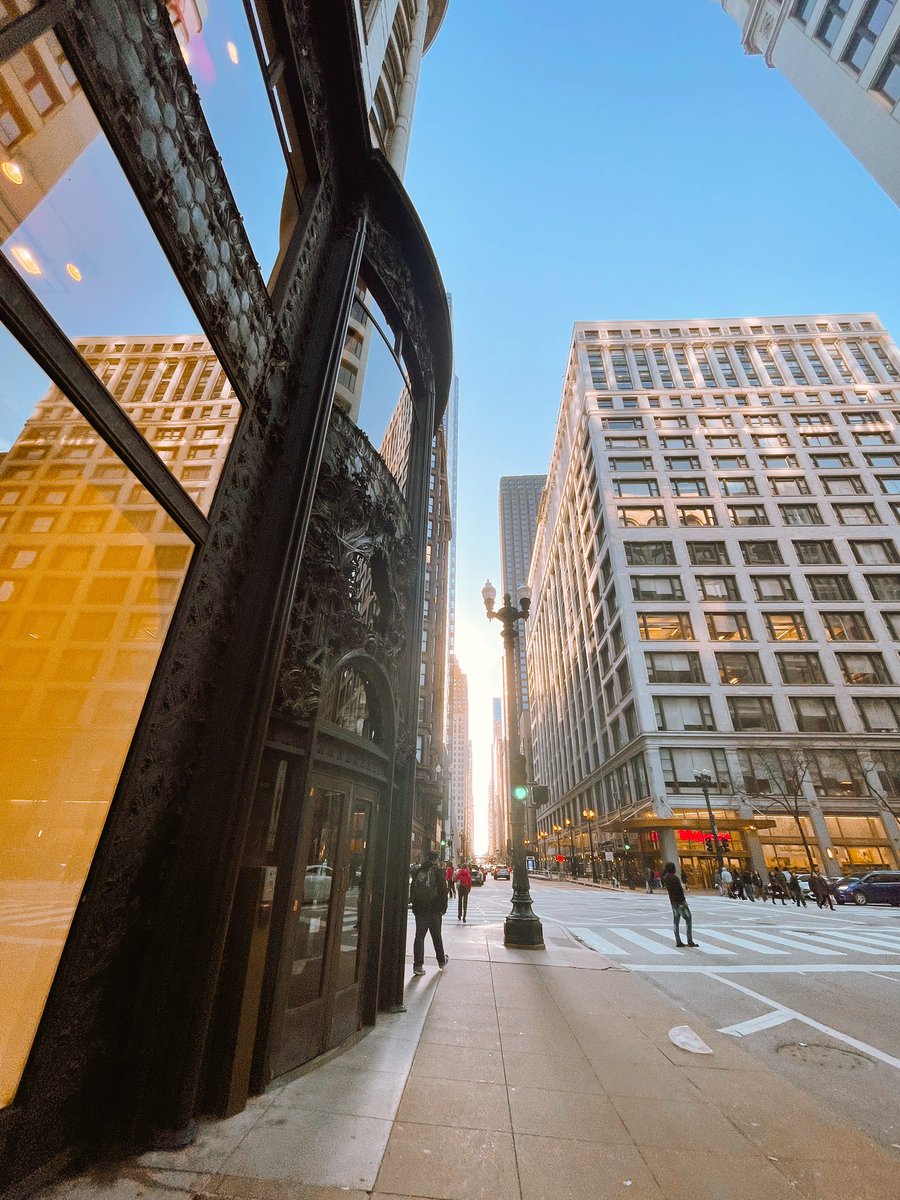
[821, 890]
[449, 877]
[648, 879]
[657, 881]
[737, 885]
[726, 882]
[428, 893]
[717, 881]
[758, 886]
[673, 886]
[794, 889]
[747, 881]
[463, 880]
[779, 885]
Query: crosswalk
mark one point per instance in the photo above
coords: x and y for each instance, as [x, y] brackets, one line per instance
[624, 942]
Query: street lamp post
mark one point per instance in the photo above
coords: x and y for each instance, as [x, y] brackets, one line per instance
[542, 849]
[557, 829]
[568, 824]
[521, 927]
[589, 814]
[705, 779]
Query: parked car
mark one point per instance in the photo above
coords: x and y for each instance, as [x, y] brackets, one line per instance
[803, 879]
[477, 876]
[841, 881]
[875, 887]
[501, 872]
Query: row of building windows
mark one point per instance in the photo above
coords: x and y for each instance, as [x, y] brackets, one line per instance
[749, 485]
[779, 626]
[861, 43]
[732, 441]
[824, 589]
[802, 420]
[742, 330]
[740, 462]
[744, 668]
[705, 516]
[874, 552]
[757, 714]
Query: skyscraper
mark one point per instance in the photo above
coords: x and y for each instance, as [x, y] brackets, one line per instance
[717, 589]
[460, 752]
[498, 800]
[843, 56]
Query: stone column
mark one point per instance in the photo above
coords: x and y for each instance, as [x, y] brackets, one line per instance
[823, 837]
[757, 857]
[668, 847]
[892, 829]
[406, 101]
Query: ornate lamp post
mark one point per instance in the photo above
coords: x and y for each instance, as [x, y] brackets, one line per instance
[557, 829]
[542, 849]
[521, 928]
[589, 814]
[568, 825]
[705, 779]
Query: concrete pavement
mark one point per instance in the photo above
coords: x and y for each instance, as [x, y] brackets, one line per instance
[519, 1075]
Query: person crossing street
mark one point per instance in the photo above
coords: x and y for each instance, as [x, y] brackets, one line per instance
[674, 887]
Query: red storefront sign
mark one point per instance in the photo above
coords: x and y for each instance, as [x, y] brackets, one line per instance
[697, 835]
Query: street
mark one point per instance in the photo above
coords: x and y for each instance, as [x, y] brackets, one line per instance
[814, 994]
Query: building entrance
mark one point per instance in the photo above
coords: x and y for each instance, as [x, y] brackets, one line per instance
[322, 961]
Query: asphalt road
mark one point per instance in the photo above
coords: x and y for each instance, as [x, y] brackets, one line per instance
[814, 995]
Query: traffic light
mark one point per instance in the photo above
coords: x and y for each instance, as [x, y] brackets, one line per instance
[521, 792]
[627, 842]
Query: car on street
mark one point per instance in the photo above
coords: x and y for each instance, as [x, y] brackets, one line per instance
[501, 872]
[875, 887]
[477, 876]
[841, 881]
[804, 880]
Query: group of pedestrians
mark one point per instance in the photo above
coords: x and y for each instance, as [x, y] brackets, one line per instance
[741, 885]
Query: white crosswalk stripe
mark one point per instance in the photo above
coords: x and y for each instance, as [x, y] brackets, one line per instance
[780, 940]
[644, 942]
[704, 949]
[843, 939]
[756, 947]
[596, 942]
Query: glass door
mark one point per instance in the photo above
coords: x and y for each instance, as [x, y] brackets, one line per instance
[351, 938]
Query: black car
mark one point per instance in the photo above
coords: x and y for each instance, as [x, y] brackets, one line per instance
[876, 887]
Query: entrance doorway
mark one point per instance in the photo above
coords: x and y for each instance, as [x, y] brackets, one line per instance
[326, 935]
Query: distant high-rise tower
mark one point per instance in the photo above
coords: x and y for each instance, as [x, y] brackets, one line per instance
[461, 806]
[498, 806]
[520, 499]
[843, 57]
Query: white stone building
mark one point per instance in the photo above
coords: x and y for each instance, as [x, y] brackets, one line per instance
[843, 57]
[716, 585]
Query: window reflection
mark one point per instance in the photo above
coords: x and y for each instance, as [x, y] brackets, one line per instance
[71, 226]
[90, 570]
[252, 127]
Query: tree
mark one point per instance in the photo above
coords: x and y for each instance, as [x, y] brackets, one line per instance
[779, 777]
[881, 771]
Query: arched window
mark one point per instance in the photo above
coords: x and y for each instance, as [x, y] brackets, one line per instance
[353, 705]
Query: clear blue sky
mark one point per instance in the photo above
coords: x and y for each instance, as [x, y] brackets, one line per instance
[597, 160]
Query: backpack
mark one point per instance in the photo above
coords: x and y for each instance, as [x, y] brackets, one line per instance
[424, 890]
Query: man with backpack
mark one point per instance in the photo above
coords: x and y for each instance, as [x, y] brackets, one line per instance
[428, 895]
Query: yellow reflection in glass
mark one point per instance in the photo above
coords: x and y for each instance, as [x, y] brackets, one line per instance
[74, 272]
[232, 52]
[90, 571]
[26, 260]
[13, 172]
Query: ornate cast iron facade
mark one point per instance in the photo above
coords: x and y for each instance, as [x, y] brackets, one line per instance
[309, 555]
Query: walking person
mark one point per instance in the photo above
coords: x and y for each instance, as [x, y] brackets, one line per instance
[758, 886]
[747, 880]
[428, 893]
[463, 879]
[821, 891]
[726, 881]
[648, 879]
[680, 909]
[794, 889]
[451, 891]
[779, 885]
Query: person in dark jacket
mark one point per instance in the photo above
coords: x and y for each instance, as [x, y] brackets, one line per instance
[428, 894]
[680, 909]
[463, 880]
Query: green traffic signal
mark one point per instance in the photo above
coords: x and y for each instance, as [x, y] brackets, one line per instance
[520, 791]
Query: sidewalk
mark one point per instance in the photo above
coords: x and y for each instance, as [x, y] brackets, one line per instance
[519, 1075]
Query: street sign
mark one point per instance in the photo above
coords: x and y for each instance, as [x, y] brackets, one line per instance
[608, 855]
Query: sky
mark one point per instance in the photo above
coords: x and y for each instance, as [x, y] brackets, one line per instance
[601, 160]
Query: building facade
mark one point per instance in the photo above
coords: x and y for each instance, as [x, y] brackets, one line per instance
[498, 803]
[717, 589]
[519, 500]
[462, 815]
[843, 57]
[211, 584]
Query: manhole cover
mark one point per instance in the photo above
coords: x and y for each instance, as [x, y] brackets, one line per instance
[816, 1054]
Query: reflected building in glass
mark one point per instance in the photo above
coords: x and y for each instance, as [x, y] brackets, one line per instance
[211, 582]
[716, 595]
[462, 809]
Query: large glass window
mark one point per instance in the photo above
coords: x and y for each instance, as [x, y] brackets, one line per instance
[642, 517]
[884, 587]
[74, 231]
[91, 568]
[888, 81]
[674, 668]
[786, 627]
[751, 713]
[773, 587]
[879, 714]
[679, 769]
[718, 587]
[801, 669]
[816, 553]
[635, 487]
[665, 627]
[252, 122]
[697, 516]
[728, 627]
[649, 554]
[656, 587]
[831, 21]
[875, 553]
[738, 670]
[683, 713]
[761, 554]
[861, 670]
[846, 627]
[816, 714]
[830, 587]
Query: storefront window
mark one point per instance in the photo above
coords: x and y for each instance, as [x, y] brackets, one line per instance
[91, 568]
[75, 233]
